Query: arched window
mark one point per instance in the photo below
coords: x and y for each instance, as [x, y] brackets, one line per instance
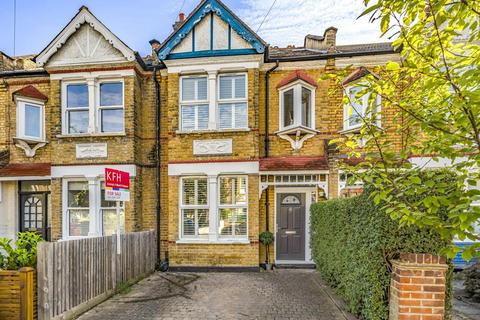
[291, 199]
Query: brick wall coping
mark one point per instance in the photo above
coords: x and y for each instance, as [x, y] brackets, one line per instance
[419, 266]
[420, 261]
[422, 258]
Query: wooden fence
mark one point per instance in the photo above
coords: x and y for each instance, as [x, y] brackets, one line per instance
[18, 294]
[75, 275]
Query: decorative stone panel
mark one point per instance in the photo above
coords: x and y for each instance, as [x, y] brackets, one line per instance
[208, 147]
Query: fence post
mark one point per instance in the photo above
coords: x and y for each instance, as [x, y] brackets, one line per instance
[417, 289]
[27, 293]
[44, 280]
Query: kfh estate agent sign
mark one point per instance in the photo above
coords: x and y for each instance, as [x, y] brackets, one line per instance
[117, 184]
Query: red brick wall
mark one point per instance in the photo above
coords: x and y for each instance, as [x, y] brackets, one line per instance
[417, 290]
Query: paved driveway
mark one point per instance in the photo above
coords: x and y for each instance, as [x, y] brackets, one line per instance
[283, 294]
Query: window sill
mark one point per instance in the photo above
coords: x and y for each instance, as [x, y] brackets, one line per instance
[350, 130]
[295, 129]
[30, 140]
[206, 241]
[86, 135]
[212, 131]
[357, 129]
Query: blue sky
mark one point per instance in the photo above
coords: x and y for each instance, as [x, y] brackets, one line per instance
[138, 21]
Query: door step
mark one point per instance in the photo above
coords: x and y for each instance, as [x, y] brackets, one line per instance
[295, 266]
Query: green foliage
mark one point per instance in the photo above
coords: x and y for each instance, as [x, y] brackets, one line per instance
[435, 94]
[266, 238]
[22, 254]
[352, 242]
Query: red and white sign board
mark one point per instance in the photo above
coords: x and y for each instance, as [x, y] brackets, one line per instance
[116, 185]
[117, 179]
[117, 195]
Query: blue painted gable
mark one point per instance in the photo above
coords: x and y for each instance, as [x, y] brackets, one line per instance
[207, 9]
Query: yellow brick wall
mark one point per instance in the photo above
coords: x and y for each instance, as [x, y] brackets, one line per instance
[137, 146]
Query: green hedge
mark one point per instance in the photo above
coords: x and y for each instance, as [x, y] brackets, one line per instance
[352, 241]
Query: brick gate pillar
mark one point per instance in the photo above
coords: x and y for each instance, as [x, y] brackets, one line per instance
[417, 288]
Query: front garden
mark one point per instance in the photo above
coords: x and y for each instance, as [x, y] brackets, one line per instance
[18, 289]
[353, 243]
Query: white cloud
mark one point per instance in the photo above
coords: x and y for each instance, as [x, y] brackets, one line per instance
[290, 20]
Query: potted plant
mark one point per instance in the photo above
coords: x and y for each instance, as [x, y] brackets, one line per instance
[267, 239]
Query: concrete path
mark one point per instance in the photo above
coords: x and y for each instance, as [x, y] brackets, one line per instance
[463, 308]
[283, 294]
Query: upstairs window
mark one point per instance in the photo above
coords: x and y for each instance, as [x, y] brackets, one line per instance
[194, 207]
[31, 120]
[110, 108]
[297, 106]
[232, 102]
[194, 104]
[356, 108]
[77, 108]
[106, 103]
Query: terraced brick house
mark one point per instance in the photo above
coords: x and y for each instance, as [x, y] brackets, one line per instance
[224, 136]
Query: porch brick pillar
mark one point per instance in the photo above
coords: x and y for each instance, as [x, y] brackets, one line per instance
[417, 287]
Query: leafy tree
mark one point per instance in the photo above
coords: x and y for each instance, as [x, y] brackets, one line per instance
[434, 92]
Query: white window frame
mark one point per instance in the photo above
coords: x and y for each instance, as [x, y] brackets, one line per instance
[231, 206]
[21, 102]
[95, 207]
[94, 117]
[364, 102]
[195, 103]
[66, 208]
[100, 208]
[65, 110]
[99, 108]
[182, 207]
[231, 101]
[297, 104]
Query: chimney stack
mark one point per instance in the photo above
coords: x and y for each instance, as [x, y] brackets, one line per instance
[325, 42]
[181, 18]
[155, 44]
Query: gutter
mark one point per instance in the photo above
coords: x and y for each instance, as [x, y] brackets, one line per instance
[23, 73]
[332, 55]
[160, 264]
[267, 150]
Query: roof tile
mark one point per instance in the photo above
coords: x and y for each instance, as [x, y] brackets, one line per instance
[297, 75]
[25, 170]
[293, 163]
[31, 92]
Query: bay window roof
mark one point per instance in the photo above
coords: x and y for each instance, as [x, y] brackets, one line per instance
[297, 75]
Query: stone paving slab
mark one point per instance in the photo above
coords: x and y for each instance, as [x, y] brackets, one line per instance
[283, 294]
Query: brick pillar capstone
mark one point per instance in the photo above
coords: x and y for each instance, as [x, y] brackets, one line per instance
[417, 288]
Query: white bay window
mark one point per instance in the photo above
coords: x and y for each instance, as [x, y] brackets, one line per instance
[357, 106]
[297, 106]
[30, 120]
